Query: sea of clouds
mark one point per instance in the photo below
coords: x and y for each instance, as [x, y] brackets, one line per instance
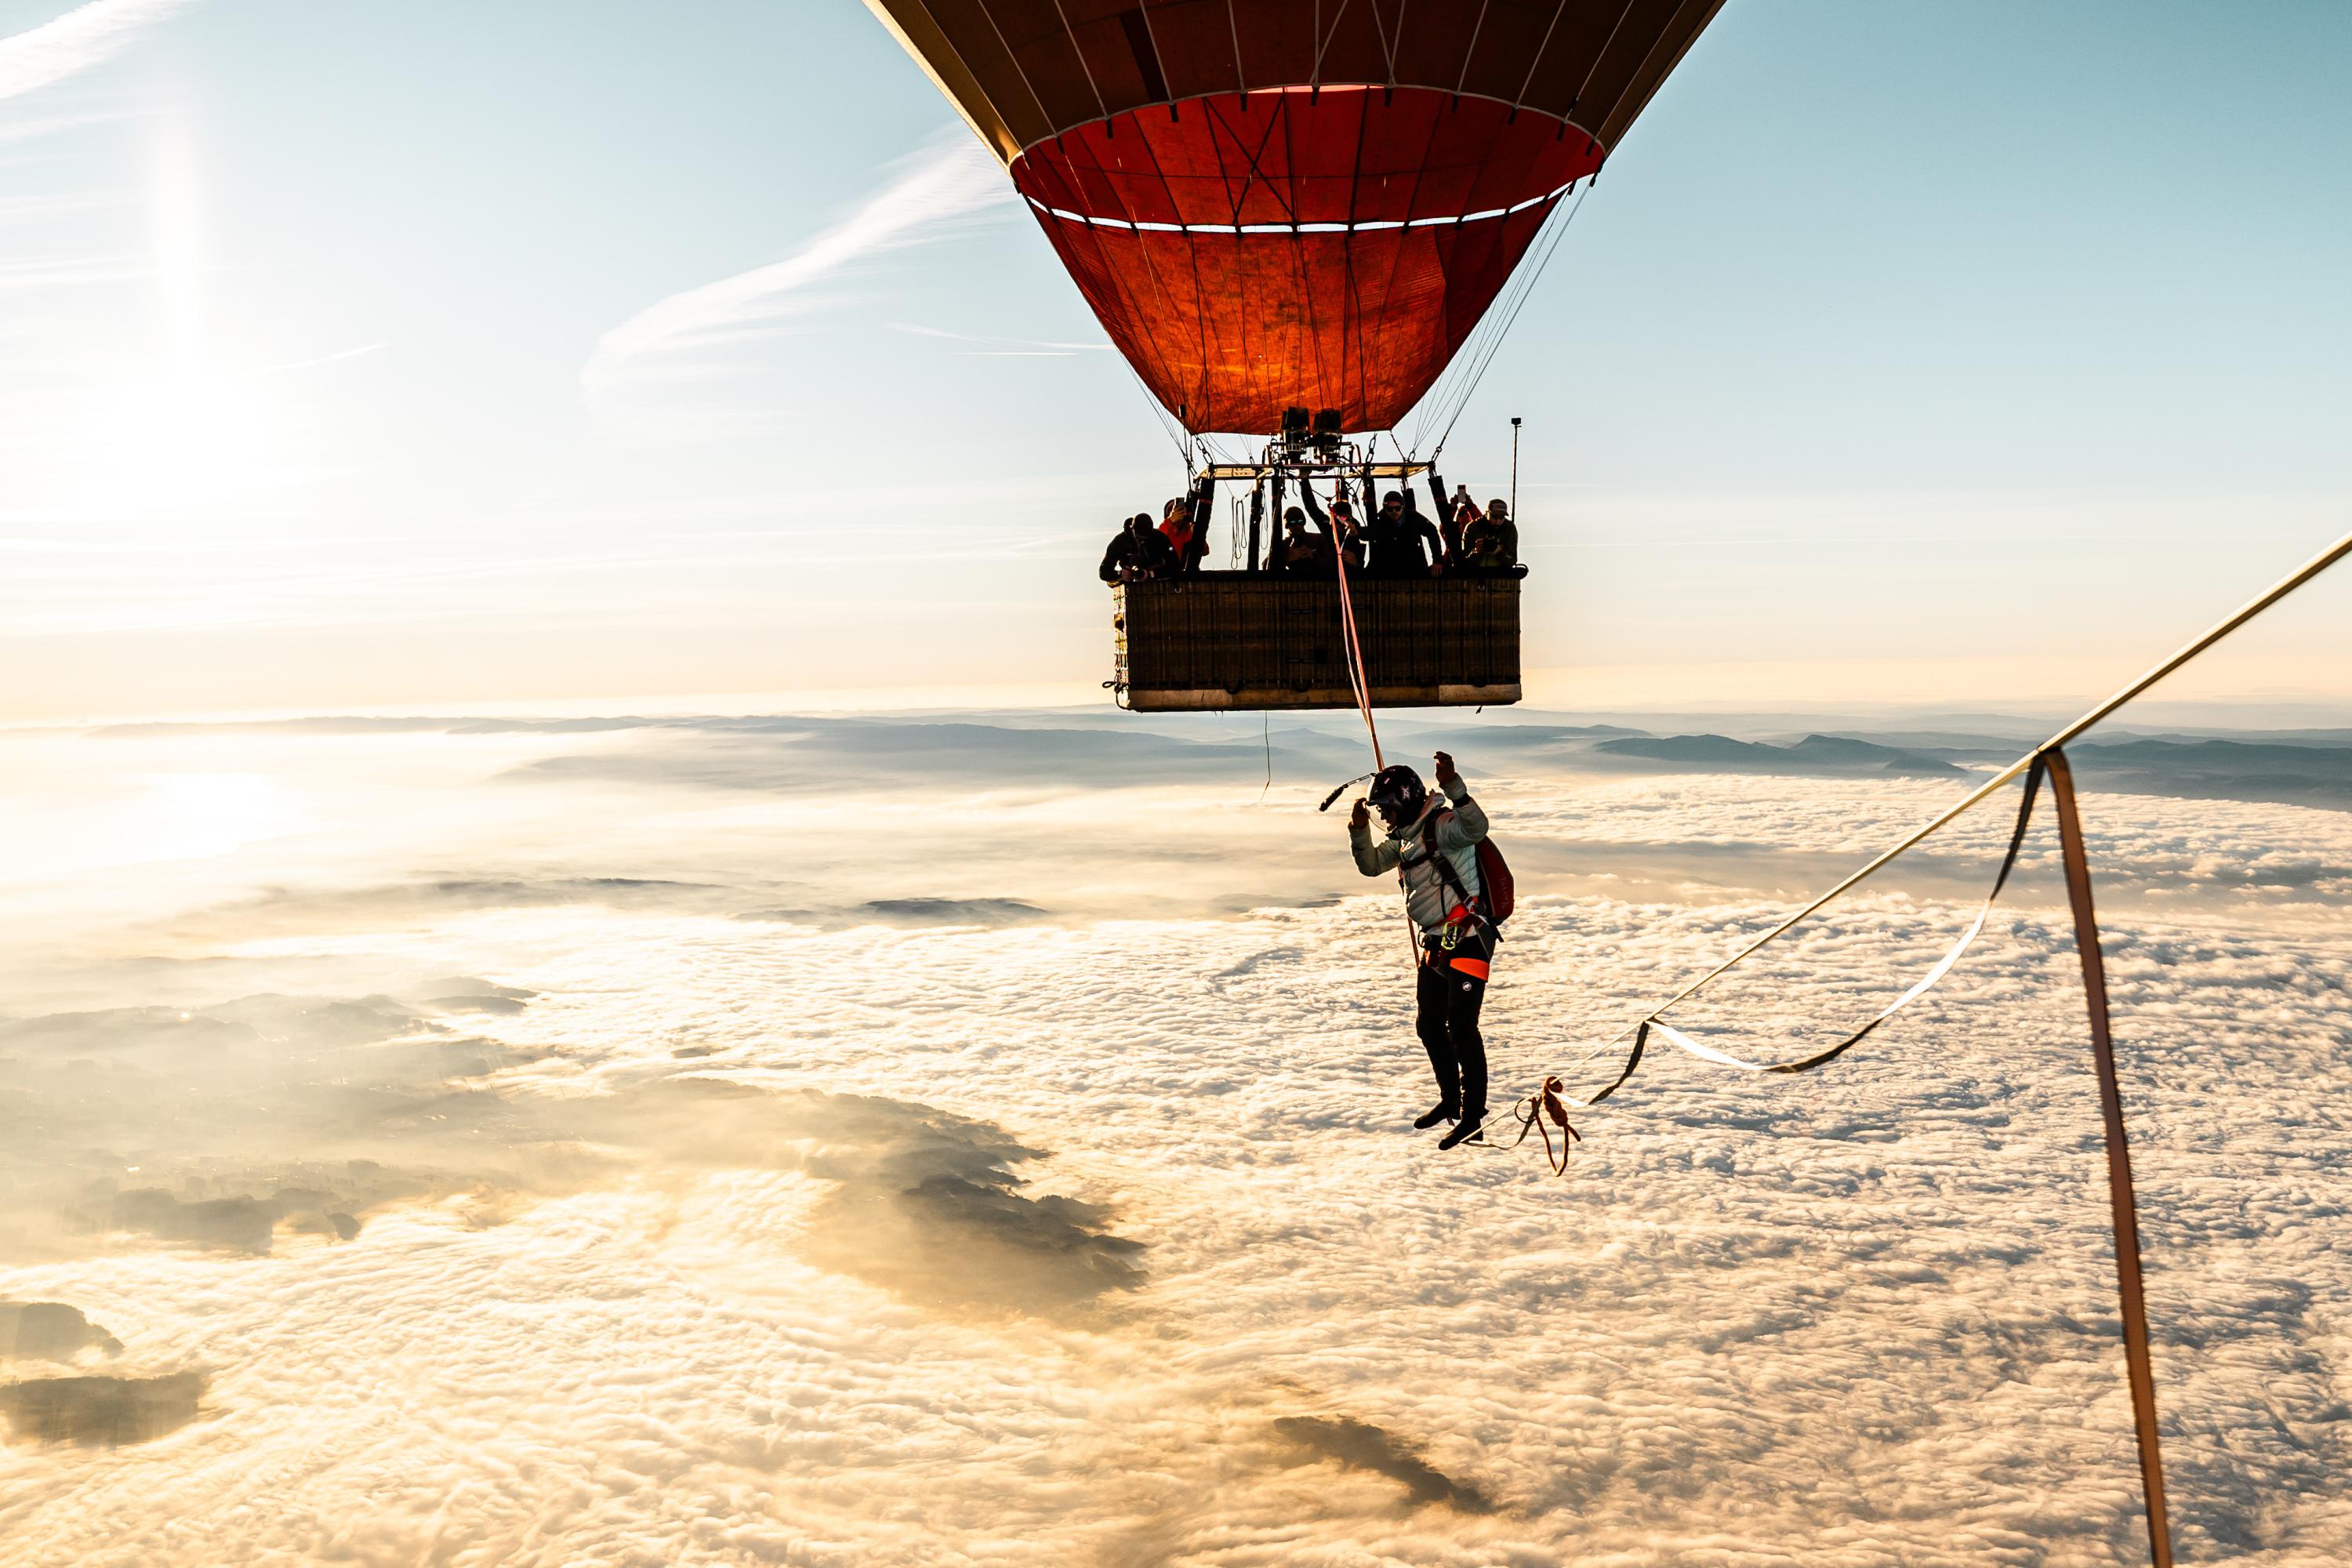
[985, 1140]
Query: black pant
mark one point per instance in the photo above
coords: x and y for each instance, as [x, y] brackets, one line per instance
[1450, 988]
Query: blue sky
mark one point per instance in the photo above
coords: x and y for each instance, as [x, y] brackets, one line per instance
[1954, 353]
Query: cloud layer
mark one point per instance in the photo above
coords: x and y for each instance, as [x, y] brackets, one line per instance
[1099, 1238]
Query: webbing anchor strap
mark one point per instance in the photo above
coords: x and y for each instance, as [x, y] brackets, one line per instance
[1532, 1112]
[2139, 1368]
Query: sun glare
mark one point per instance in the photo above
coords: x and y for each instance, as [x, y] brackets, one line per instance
[176, 238]
[170, 429]
[191, 816]
[177, 440]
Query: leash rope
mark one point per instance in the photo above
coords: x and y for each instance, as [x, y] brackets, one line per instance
[1357, 677]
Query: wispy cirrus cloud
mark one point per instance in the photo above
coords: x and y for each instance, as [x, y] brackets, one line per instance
[928, 195]
[43, 272]
[83, 36]
[1002, 348]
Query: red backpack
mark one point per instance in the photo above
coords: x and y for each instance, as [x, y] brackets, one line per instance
[1495, 891]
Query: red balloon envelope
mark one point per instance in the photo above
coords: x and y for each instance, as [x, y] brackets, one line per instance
[1277, 203]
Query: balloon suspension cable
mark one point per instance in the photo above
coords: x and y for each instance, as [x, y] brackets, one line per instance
[1449, 392]
[1510, 316]
[1486, 341]
[1173, 428]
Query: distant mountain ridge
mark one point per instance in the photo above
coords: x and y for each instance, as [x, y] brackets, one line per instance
[1814, 754]
[2219, 770]
[2192, 768]
[1053, 748]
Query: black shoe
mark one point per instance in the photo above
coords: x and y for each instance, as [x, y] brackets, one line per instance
[1470, 1130]
[1441, 1112]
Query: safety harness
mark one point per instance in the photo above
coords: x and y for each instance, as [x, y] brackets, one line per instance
[1467, 911]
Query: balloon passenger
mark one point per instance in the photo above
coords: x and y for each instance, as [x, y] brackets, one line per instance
[1399, 536]
[1185, 536]
[1454, 513]
[1176, 527]
[1432, 847]
[1490, 546]
[1302, 551]
[1339, 525]
[1139, 553]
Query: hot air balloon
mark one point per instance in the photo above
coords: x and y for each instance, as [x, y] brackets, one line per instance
[1291, 216]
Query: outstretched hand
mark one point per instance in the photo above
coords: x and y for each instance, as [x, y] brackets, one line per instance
[1446, 775]
[1361, 817]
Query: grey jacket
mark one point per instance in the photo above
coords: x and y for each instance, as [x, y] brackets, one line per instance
[1427, 900]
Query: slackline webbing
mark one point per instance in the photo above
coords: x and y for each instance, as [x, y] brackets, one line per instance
[2049, 758]
[2034, 760]
[1925, 983]
[2138, 1363]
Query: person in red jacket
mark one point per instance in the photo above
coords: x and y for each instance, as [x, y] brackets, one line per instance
[1185, 523]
